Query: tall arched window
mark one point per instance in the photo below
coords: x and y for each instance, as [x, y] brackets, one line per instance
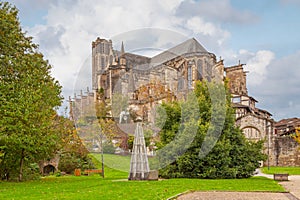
[102, 62]
[200, 69]
[111, 59]
[190, 77]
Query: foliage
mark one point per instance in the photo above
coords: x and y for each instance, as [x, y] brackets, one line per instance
[71, 161]
[148, 136]
[281, 170]
[28, 96]
[69, 141]
[32, 172]
[130, 141]
[108, 148]
[72, 152]
[297, 135]
[119, 104]
[94, 124]
[232, 155]
[169, 119]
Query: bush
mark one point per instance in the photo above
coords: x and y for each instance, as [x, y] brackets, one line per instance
[32, 172]
[108, 148]
[70, 161]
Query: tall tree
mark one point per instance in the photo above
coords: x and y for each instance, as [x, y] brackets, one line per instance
[227, 154]
[28, 96]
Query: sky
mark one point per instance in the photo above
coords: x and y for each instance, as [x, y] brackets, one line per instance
[263, 34]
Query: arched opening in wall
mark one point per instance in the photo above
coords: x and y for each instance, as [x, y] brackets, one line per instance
[48, 169]
[252, 133]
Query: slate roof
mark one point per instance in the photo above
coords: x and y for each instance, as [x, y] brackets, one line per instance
[145, 63]
[189, 46]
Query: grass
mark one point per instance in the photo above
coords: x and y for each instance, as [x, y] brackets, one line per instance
[113, 186]
[121, 163]
[278, 170]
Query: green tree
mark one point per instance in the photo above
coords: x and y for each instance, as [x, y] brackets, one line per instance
[119, 104]
[296, 136]
[28, 97]
[231, 155]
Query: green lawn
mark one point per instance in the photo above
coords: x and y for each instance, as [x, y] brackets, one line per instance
[121, 163]
[115, 186]
[289, 170]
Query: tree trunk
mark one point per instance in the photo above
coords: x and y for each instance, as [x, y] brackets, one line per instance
[21, 165]
[6, 171]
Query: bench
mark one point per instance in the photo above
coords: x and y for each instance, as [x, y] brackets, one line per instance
[281, 177]
[92, 171]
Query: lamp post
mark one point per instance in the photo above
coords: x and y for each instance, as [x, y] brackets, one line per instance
[269, 138]
[102, 158]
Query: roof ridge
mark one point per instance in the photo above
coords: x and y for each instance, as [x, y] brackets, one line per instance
[188, 46]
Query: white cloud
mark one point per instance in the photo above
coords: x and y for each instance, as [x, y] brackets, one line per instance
[66, 37]
[260, 61]
[280, 91]
[257, 63]
[257, 66]
[199, 26]
[68, 27]
[71, 26]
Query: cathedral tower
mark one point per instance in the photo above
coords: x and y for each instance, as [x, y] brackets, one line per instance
[102, 55]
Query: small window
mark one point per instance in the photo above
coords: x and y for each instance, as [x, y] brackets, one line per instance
[236, 100]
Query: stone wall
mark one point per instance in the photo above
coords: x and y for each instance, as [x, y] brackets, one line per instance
[253, 122]
[52, 162]
[237, 79]
[286, 151]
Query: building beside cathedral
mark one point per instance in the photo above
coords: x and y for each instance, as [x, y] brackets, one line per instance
[256, 123]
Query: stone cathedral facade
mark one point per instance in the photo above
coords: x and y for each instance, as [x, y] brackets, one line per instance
[149, 81]
[169, 75]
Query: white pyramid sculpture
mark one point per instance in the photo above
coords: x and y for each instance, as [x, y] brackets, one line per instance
[139, 166]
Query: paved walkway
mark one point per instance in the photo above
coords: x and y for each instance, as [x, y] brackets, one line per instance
[292, 187]
[236, 196]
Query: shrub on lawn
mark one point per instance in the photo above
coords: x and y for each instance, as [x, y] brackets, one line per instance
[71, 161]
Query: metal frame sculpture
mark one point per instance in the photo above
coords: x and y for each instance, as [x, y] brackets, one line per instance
[139, 166]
